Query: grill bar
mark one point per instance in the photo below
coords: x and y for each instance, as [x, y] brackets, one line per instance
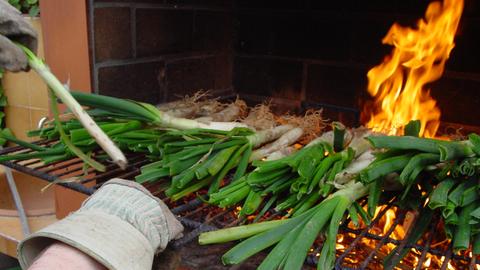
[383, 241]
[427, 245]
[33, 172]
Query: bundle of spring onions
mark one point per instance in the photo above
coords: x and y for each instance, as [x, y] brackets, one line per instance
[446, 170]
[191, 106]
[127, 134]
[131, 125]
[57, 89]
[295, 182]
[315, 170]
[291, 238]
[147, 113]
[183, 149]
[203, 158]
[197, 158]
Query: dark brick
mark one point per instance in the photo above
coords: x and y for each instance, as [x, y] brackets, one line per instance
[471, 9]
[188, 76]
[112, 33]
[278, 106]
[129, 1]
[223, 71]
[213, 31]
[272, 4]
[458, 100]
[335, 85]
[374, 6]
[348, 118]
[202, 3]
[276, 78]
[140, 82]
[253, 33]
[163, 31]
[466, 54]
[310, 36]
[364, 102]
[330, 5]
[305, 35]
[415, 8]
[366, 41]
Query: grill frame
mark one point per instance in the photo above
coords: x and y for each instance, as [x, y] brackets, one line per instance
[192, 212]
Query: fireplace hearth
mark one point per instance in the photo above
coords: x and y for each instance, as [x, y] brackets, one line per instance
[297, 55]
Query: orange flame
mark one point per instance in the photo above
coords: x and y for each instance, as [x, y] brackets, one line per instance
[418, 58]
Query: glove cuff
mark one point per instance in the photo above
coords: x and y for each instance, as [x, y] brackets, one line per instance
[108, 239]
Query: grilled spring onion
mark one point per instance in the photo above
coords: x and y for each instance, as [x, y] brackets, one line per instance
[453, 168]
[102, 139]
[231, 112]
[193, 106]
[66, 140]
[448, 150]
[121, 132]
[459, 202]
[206, 158]
[292, 238]
[145, 112]
[301, 178]
[269, 178]
[285, 140]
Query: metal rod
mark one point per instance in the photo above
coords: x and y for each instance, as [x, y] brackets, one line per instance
[431, 234]
[447, 259]
[75, 186]
[361, 235]
[383, 241]
[18, 202]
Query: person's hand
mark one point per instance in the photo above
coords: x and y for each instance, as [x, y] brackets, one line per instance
[14, 28]
[121, 226]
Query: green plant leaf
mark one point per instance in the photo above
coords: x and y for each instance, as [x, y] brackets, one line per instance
[34, 11]
[7, 132]
[3, 101]
[15, 3]
[2, 115]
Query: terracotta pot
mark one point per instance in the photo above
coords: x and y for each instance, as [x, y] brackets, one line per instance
[39, 206]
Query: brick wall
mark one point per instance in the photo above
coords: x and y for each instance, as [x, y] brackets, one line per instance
[154, 51]
[300, 52]
[320, 51]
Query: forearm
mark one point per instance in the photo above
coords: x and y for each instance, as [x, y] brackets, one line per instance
[60, 256]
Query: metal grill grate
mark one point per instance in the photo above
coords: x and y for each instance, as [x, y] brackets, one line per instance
[199, 217]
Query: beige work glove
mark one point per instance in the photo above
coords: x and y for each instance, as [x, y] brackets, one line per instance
[121, 225]
[13, 27]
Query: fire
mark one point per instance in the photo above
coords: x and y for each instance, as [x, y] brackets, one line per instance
[418, 58]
